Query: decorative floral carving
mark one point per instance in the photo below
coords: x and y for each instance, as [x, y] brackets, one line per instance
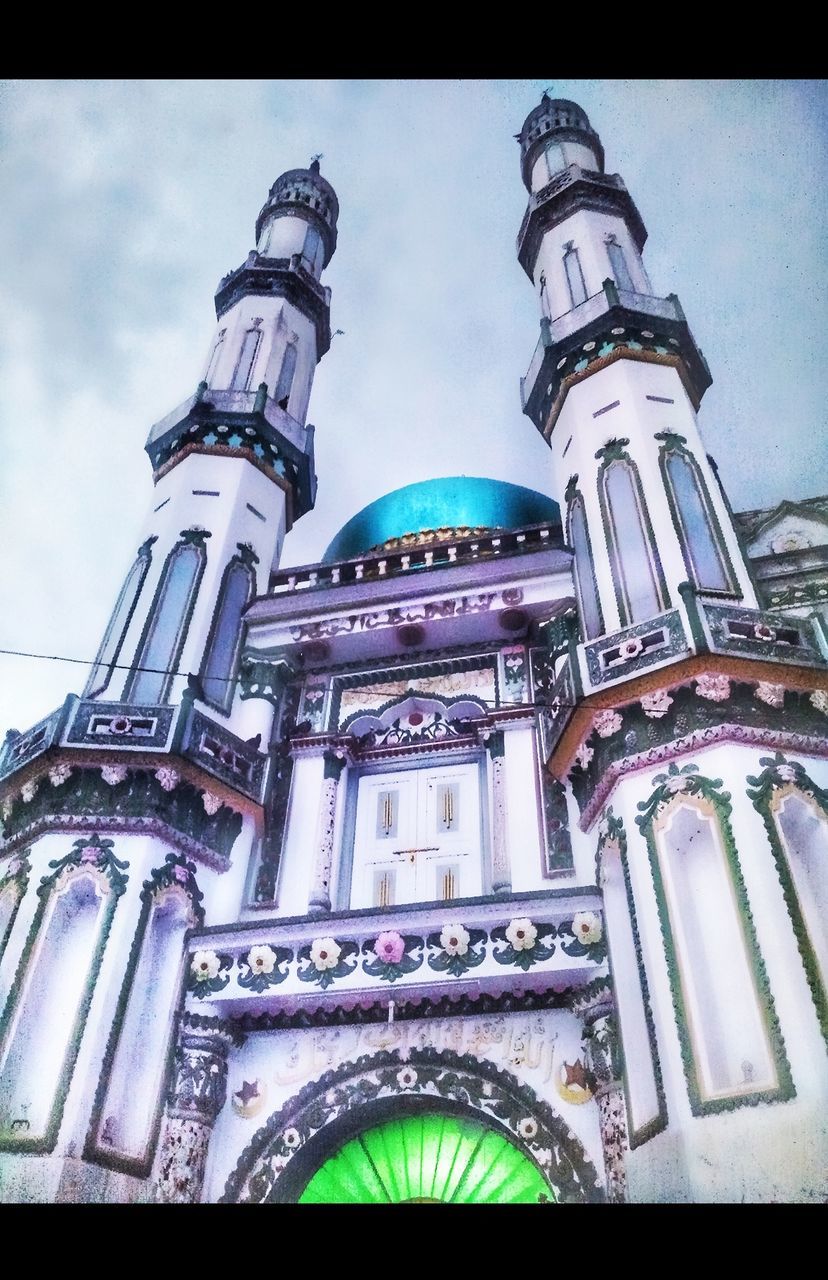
[518, 943]
[208, 974]
[263, 964]
[585, 934]
[393, 956]
[763, 632]
[94, 852]
[211, 802]
[630, 648]
[60, 773]
[28, 791]
[120, 725]
[407, 1078]
[713, 685]
[606, 723]
[456, 949]
[772, 694]
[168, 779]
[326, 959]
[527, 1128]
[657, 704]
[112, 774]
[819, 699]
[583, 755]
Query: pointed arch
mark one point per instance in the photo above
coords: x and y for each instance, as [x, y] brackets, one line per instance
[126, 1114]
[577, 535]
[694, 518]
[637, 575]
[115, 634]
[220, 663]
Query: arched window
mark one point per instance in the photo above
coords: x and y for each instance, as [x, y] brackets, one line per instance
[310, 250]
[553, 158]
[592, 620]
[218, 347]
[286, 373]
[700, 534]
[166, 627]
[642, 1073]
[574, 275]
[618, 265]
[247, 359]
[127, 1112]
[795, 813]
[730, 1040]
[636, 570]
[46, 1013]
[115, 633]
[220, 662]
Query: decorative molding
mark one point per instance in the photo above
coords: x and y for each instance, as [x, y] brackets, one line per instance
[264, 1174]
[672, 789]
[780, 777]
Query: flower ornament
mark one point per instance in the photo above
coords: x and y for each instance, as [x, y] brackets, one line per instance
[291, 1138]
[120, 725]
[389, 947]
[676, 783]
[204, 966]
[714, 686]
[60, 774]
[181, 874]
[527, 1128]
[112, 774]
[631, 648]
[583, 755]
[211, 803]
[454, 940]
[786, 772]
[325, 953]
[586, 926]
[167, 778]
[772, 694]
[407, 1078]
[606, 723]
[655, 705]
[90, 853]
[261, 959]
[522, 934]
[28, 791]
[761, 632]
[819, 699]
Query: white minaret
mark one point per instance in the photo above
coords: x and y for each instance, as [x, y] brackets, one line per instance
[614, 387]
[233, 469]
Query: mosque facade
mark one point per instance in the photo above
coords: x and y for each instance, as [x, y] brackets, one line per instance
[484, 860]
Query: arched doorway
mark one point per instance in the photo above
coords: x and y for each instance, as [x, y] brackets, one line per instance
[301, 1139]
[431, 1157]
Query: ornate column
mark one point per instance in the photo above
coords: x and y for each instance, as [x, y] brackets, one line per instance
[320, 892]
[501, 870]
[604, 1066]
[198, 1092]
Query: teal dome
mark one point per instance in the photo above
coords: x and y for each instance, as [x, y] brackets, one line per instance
[446, 504]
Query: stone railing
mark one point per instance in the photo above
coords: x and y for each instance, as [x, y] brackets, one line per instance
[755, 633]
[624, 653]
[550, 940]
[387, 564]
[21, 748]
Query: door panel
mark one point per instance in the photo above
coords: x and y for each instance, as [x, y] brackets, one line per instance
[417, 836]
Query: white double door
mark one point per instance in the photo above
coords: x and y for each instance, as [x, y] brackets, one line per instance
[417, 836]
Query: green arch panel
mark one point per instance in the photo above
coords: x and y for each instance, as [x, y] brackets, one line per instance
[429, 1157]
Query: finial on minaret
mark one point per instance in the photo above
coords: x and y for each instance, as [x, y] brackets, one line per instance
[314, 164]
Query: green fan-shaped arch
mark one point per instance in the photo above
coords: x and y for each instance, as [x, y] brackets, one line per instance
[428, 1157]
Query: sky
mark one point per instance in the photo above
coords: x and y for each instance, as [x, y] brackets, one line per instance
[127, 201]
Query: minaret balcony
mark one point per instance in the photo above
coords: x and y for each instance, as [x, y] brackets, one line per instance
[478, 952]
[283, 278]
[612, 323]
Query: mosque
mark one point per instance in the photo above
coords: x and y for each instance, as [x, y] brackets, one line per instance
[484, 860]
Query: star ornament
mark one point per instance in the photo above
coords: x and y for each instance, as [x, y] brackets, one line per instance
[249, 1099]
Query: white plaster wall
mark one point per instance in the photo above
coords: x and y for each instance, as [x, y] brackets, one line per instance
[573, 152]
[580, 434]
[283, 236]
[533, 1047]
[587, 229]
[771, 1151]
[299, 849]
[523, 831]
[281, 322]
[229, 521]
